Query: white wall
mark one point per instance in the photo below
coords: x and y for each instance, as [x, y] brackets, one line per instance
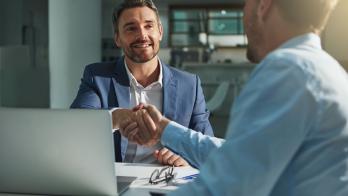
[74, 41]
[336, 33]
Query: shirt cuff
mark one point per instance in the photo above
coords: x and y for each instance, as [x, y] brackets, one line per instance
[110, 111]
[172, 133]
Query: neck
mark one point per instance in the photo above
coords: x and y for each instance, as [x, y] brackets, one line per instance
[145, 73]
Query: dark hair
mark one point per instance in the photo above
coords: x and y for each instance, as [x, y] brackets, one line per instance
[127, 4]
[311, 14]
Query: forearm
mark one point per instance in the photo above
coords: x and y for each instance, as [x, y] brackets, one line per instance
[191, 145]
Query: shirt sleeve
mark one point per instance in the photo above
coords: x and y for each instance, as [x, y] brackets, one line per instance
[111, 111]
[191, 145]
[265, 131]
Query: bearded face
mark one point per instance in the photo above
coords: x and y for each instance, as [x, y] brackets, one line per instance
[139, 34]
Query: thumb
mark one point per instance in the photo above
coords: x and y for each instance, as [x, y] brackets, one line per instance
[154, 113]
[156, 153]
[138, 107]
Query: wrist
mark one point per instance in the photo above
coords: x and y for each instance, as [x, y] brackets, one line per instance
[162, 125]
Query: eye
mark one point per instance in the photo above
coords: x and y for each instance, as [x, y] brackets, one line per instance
[149, 26]
[131, 29]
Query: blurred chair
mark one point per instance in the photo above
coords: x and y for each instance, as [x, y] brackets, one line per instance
[218, 98]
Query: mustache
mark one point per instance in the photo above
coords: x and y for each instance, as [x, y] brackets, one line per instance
[142, 42]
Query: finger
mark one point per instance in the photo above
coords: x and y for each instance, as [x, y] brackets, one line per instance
[132, 136]
[172, 159]
[166, 156]
[123, 125]
[180, 162]
[130, 128]
[143, 133]
[150, 131]
[138, 140]
[150, 124]
[161, 153]
[154, 113]
[155, 154]
[127, 128]
[138, 107]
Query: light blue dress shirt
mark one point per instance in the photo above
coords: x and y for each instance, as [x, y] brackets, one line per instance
[288, 131]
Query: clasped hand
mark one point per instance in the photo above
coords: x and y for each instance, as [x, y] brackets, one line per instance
[144, 125]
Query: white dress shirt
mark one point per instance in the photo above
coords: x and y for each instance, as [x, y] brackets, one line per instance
[152, 94]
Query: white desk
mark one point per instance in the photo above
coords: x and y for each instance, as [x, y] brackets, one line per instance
[141, 187]
[143, 171]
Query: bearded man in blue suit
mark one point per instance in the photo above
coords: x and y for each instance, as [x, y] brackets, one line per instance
[140, 77]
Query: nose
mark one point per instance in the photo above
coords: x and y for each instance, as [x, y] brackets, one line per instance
[142, 34]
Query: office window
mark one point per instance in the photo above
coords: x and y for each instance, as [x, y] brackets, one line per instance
[227, 22]
[206, 26]
[185, 26]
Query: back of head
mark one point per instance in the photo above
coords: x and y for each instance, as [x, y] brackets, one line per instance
[308, 14]
[128, 4]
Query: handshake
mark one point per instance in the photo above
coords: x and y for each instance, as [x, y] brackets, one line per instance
[144, 125]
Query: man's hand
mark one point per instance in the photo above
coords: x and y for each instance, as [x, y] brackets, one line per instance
[152, 118]
[141, 129]
[167, 157]
[147, 127]
[129, 122]
[121, 115]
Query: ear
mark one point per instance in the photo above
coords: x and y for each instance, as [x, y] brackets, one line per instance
[160, 28]
[264, 8]
[116, 39]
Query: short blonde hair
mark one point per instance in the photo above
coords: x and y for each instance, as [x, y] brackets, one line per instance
[311, 14]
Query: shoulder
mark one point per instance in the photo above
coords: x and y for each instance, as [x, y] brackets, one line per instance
[309, 68]
[101, 67]
[106, 69]
[304, 58]
[180, 74]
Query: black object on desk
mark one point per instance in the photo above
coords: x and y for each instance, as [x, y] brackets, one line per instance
[156, 194]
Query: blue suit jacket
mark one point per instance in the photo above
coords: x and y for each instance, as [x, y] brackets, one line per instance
[106, 85]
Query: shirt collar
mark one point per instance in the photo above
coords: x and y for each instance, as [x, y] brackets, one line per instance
[310, 39]
[135, 82]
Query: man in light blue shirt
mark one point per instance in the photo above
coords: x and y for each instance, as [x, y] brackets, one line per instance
[288, 131]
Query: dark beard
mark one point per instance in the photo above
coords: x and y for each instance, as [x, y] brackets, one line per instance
[135, 58]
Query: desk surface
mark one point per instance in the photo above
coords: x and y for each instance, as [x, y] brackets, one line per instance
[143, 171]
[141, 187]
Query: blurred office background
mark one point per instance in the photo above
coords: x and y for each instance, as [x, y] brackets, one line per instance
[45, 44]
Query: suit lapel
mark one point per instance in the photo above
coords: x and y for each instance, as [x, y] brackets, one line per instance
[169, 93]
[122, 90]
[121, 82]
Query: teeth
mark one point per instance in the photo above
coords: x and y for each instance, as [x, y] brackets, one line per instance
[141, 45]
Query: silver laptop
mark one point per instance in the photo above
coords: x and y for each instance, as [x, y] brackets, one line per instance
[58, 152]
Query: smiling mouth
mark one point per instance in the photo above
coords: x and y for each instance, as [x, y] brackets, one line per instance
[141, 45]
